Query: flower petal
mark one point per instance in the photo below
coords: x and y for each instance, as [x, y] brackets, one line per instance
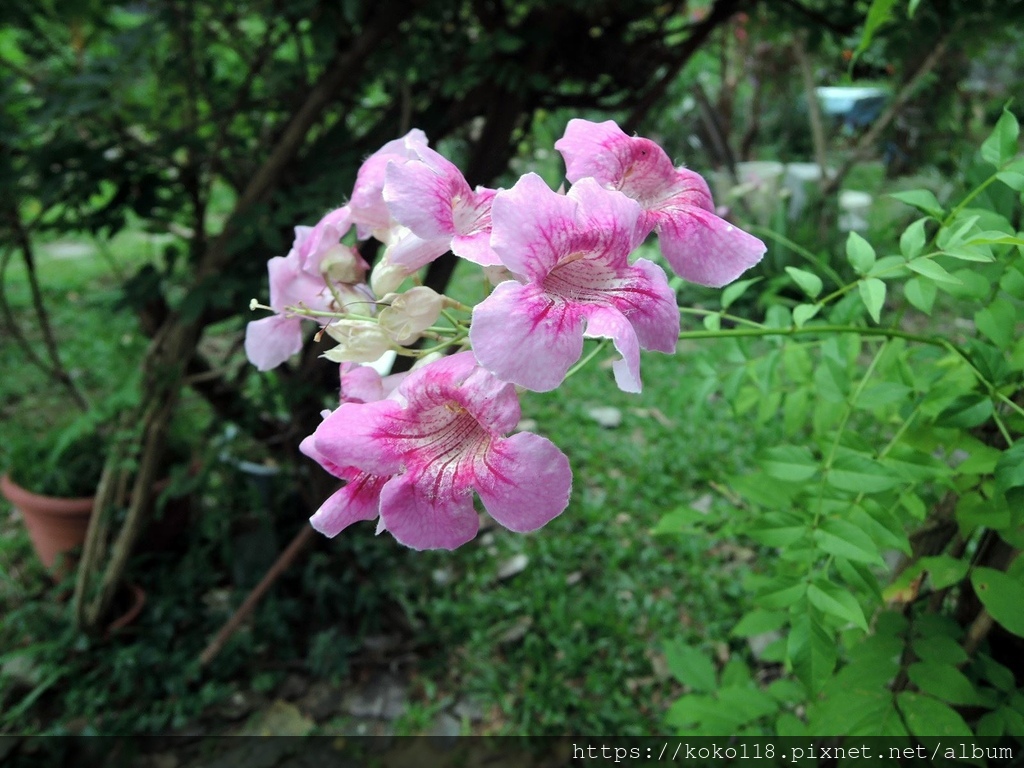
[458, 380]
[358, 500]
[651, 309]
[420, 198]
[422, 520]
[525, 337]
[609, 323]
[526, 482]
[290, 286]
[476, 248]
[610, 219]
[360, 384]
[272, 340]
[410, 252]
[369, 211]
[532, 226]
[593, 150]
[355, 435]
[705, 249]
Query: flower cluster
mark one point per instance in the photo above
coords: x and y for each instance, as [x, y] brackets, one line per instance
[413, 449]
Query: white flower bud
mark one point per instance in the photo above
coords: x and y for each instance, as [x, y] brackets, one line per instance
[343, 264]
[386, 277]
[358, 342]
[411, 313]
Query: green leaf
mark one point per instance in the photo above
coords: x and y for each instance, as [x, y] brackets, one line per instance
[913, 239]
[735, 290]
[1001, 146]
[1001, 677]
[878, 14]
[922, 199]
[982, 458]
[804, 312]
[781, 597]
[809, 282]
[872, 293]
[997, 322]
[1010, 473]
[836, 601]
[859, 253]
[889, 267]
[925, 716]
[679, 520]
[860, 473]
[713, 322]
[966, 411]
[811, 650]
[920, 293]
[1002, 596]
[843, 539]
[1012, 282]
[928, 268]
[777, 529]
[950, 237]
[1013, 179]
[939, 648]
[757, 622]
[912, 8]
[975, 511]
[944, 682]
[690, 667]
[944, 571]
[981, 254]
[747, 703]
[789, 462]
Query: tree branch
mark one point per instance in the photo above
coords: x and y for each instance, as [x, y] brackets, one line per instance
[721, 11]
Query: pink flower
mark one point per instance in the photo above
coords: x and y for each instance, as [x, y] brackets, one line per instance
[300, 279]
[272, 340]
[359, 498]
[438, 439]
[430, 196]
[700, 247]
[369, 211]
[315, 243]
[569, 254]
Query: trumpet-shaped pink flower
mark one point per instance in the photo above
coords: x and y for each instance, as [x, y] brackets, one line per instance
[301, 279]
[314, 243]
[569, 254]
[431, 197]
[435, 442]
[369, 211]
[700, 246]
[359, 498]
[272, 340]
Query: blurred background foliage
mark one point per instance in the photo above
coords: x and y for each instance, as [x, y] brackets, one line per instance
[154, 155]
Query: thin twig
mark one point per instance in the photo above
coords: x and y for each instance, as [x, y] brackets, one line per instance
[42, 315]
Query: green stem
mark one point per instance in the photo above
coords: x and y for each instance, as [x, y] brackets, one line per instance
[731, 318]
[797, 249]
[970, 196]
[590, 356]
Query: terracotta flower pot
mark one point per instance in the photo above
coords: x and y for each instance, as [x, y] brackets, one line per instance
[55, 525]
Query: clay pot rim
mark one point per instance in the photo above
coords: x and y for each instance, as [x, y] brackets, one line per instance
[48, 505]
